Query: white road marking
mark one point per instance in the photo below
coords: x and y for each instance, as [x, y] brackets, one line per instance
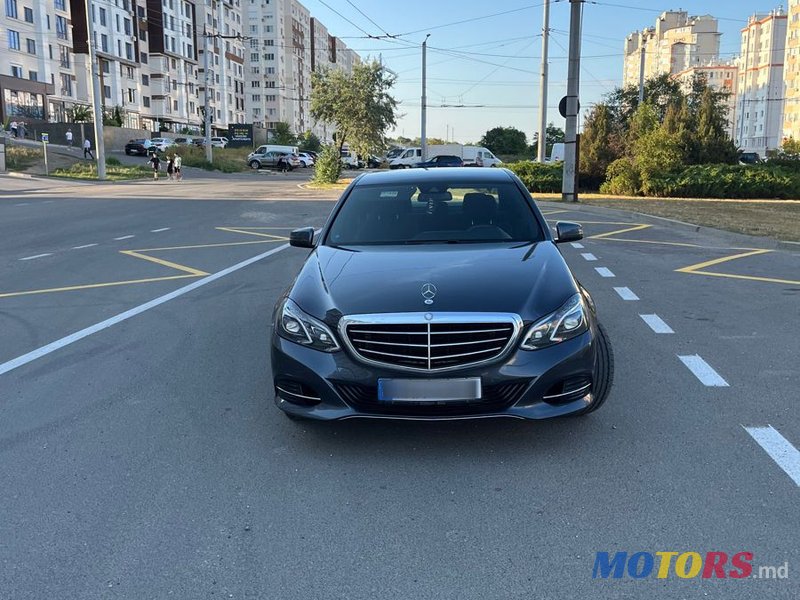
[588, 256]
[22, 204]
[626, 293]
[159, 230]
[656, 323]
[604, 272]
[37, 256]
[703, 371]
[82, 247]
[576, 245]
[124, 316]
[124, 237]
[48, 201]
[779, 449]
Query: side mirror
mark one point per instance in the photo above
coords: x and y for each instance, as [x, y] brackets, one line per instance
[302, 238]
[568, 232]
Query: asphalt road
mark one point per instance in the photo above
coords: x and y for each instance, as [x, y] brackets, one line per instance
[146, 459]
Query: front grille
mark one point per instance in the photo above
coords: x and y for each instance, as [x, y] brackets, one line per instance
[438, 344]
[495, 398]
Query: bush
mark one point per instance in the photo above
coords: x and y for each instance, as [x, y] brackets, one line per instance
[542, 178]
[730, 181]
[113, 162]
[19, 158]
[328, 166]
[227, 160]
[622, 178]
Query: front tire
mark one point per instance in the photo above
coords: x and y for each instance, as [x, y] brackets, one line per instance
[603, 376]
[254, 164]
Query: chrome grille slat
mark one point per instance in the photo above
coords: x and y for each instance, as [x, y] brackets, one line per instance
[430, 342]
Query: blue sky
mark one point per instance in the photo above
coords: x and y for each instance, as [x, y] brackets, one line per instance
[494, 61]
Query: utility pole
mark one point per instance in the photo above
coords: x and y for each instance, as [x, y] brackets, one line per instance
[94, 74]
[423, 106]
[641, 68]
[543, 83]
[569, 187]
[207, 102]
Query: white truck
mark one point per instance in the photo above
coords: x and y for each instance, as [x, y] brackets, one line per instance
[473, 156]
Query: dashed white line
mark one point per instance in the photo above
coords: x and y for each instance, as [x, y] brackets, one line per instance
[83, 333]
[22, 204]
[656, 323]
[82, 247]
[124, 237]
[626, 293]
[159, 230]
[588, 256]
[604, 272]
[37, 256]
[703, 371]
[779, 448]
[576, 245]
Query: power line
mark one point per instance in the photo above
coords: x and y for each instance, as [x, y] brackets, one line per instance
[388, 35]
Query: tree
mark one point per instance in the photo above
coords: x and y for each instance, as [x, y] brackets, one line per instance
[791, 147]
[358, 104]
[309, 142]
[596, 150]
[505, 140]
[282, 135]
[79, 113]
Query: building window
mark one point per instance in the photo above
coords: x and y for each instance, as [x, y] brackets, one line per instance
[143, 57]
[31, 44]
[104, 42]
[103, 17]
[60, 4]
[145, 79]
[146, 101]
[131, 96]
[16, 71]
[11, 9]
[63, 55]
[129, 51]
[13, 40]
[61, 28]
[33, 75]
[28, 15]
[107, 91]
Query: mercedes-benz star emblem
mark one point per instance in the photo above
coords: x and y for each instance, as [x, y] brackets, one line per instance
[428, 292]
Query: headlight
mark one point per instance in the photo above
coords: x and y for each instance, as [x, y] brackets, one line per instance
[301, 328]
[566, 323]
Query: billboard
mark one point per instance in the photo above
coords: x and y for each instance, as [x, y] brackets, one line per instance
[240, 135]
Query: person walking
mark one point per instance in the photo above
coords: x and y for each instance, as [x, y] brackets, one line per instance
[156, 162]
[178, 164]
[21, 129]
[170, 167]
[68, 135]
[87, 149]
[13, 126]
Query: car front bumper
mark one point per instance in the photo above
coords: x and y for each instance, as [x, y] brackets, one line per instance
[540, 384]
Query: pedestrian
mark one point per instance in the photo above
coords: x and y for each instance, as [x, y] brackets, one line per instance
[68, 135]
[178, 163]
[283, 163]
[13, 126]
[156, 162]
[87, 149]
[170, 167]
[21, 129]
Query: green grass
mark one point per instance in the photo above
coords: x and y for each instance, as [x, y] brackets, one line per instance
[114, 172]
[227, 160]
[19, 158]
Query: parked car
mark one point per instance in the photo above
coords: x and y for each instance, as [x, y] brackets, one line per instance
[374, 162]
[161, 144]
[219, 142]
[749, 158]
[306, 160]
[137, 147]
[184, 141]
[270, 159]
[438, 294]
[441, 161]
[199, 141]
[351, 161]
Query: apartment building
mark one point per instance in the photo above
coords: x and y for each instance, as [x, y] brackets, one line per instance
[677, 42]
[791, 72]
[286, 44]
[761, 87]
[721, 77]
[37, 70]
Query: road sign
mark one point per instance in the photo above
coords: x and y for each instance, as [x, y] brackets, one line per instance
[45, 137]
[562, 107]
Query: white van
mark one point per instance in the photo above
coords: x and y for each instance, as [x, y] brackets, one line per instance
[406, 159]
[473, 156]
[273, 148]
[557, 153]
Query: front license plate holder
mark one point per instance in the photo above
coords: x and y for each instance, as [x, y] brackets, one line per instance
[429, 390]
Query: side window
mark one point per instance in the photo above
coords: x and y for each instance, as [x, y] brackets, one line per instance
[408, 153]
[488, 155]
[419, 152]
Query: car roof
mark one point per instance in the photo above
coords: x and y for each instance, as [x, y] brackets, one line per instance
[450, 174]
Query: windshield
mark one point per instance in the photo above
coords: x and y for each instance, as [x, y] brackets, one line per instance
[434, 213]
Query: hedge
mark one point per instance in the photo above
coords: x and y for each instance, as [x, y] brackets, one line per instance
[538, 177]
[729, 181]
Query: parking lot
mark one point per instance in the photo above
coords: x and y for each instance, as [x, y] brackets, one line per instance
[142, 456]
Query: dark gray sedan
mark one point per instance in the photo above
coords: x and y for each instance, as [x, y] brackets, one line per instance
[437, 294]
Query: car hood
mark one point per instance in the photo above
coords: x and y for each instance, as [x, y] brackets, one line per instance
[530, 280]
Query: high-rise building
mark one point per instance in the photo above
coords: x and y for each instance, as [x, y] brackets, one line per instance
[37, 70]
[677, 42]
[760, 97]
[721, 77]
[791, 73]
[286, 44]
